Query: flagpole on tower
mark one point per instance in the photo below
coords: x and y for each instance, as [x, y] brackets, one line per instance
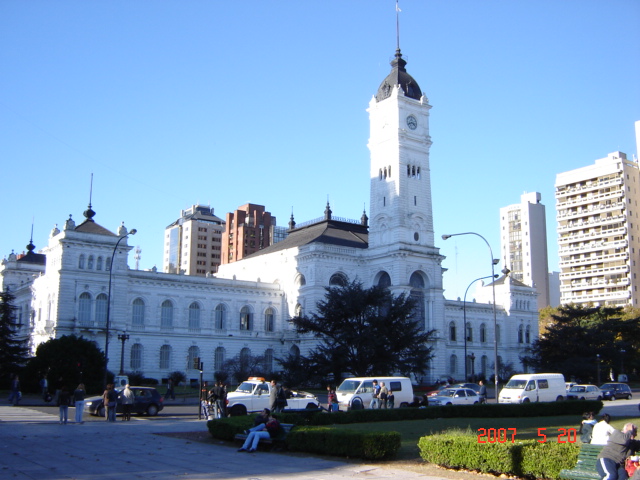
[397, 25]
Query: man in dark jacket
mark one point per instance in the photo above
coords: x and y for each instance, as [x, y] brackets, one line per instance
[611, 459]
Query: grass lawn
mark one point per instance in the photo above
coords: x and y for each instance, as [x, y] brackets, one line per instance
[526, 428]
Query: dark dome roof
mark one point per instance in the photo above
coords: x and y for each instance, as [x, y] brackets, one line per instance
[398, 76]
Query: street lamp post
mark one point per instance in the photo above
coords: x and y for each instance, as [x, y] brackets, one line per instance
[133, 231]
[494, 262]
[464, 320]
[472, 357]
[598, 367]
[123, 338]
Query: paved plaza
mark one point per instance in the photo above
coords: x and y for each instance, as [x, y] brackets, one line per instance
[33, 445]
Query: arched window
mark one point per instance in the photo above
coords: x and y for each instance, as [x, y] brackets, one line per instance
[521, 334]
[165, 357]
[483, 333]
[136, 357]
[384, 280]
[483, 365]
[166, 314]
[269, 320]
[452, 332]
[107, 263]
[246, 320]
[417, 294]
[99, 264]
[90, 263]
[298, 310]
[469, 332]
[527, 334]
[193, 353]
[338, 280]
[245, 355]
[194, 317]
[101, 309]
[81, 261]
[84, 309]
[268, 360]
[300, 280]
[137, 317]
[498, 333]
[294, 351]
[220, 317]
[218, 359]
[453, 364]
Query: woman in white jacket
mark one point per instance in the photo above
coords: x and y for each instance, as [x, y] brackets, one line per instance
[602, 430]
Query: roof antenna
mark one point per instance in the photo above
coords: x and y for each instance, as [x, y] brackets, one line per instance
[397, 26]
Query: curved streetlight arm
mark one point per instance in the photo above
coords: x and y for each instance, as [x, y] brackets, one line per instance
[133, 231]
[494, 262]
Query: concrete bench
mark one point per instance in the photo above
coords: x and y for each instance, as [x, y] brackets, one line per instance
[278, 441]
[585, 468]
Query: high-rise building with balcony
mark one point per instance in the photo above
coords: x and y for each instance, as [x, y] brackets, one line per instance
[192, 244]
[523, 238]
[598, 213]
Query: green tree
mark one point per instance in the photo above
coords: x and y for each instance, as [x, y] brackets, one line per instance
[366, 331]
[577, 334]
[14, 347]
[243, 366]
[70, 360]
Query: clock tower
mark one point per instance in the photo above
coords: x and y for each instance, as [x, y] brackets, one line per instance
[399, 142]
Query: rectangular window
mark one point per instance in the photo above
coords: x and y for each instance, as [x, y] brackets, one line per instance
[543, 384]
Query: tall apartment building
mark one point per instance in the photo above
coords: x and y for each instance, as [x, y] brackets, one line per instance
[598, 217]
[249, 229]
[192, 244]
[524, 244]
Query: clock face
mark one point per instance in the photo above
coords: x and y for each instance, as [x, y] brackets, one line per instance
[412, 122]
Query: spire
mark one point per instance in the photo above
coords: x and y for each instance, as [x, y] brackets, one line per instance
[89, 213]
[292, 222]
[364, 220]
[327, 212]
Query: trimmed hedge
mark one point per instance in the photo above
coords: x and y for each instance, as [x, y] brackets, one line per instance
[227, 428]
[525, 458]
[490, 410]
[344, 443]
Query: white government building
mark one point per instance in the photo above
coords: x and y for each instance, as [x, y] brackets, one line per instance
[246, 307]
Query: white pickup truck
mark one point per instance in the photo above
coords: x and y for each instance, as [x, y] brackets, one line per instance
[252, 395]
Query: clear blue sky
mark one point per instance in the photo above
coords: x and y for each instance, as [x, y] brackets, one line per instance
[174, 103]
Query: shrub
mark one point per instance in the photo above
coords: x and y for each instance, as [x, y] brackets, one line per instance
[527, 458]
[344, 443]
[227, 428]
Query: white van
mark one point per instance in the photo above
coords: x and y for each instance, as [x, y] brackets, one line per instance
[355, 393]
[534, 387]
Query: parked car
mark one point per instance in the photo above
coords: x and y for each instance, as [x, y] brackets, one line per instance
[147, 401]
[473, 386]
[455, 396]
[584, 392]
[612, 391]
[253, 395]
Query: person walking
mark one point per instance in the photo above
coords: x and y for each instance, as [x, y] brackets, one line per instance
[64, 400]
[110, 402]
[14, 395]
[221, 399]
[391, 400]
[483, 392]
[375, 391]
[281, 399]
[127, 398]
[78, 400]
[273, 395]
[382, 396]
[170, 392]
[332, 399]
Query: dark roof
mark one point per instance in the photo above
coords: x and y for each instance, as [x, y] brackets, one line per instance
[398, 76]
[202, 214]
[31, 257]
[330, 232]
[89, 226]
